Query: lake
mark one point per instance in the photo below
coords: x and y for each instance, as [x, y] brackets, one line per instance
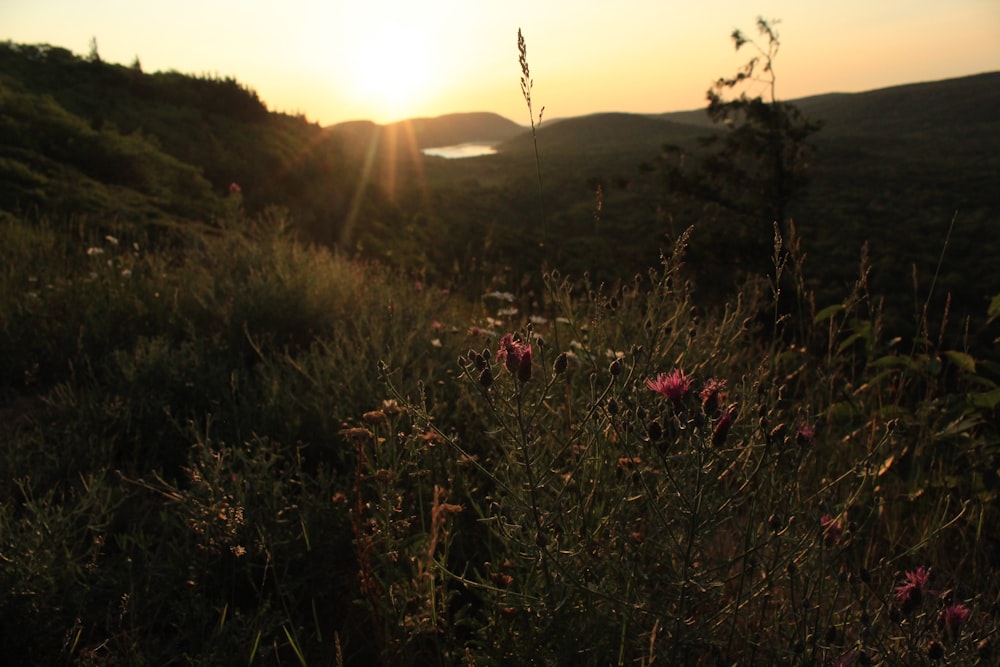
[472, 149]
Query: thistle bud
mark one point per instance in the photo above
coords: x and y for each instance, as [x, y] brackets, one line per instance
[524, 365]
[654, 430]
[561, 363]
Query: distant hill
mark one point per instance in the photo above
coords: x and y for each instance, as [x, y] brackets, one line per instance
[447, 130]
[892, 168]
[897, 110]
[85, 140]
[603, 132]
[969, 100]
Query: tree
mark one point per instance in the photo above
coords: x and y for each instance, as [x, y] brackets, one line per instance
[94, 56]
[758, 164]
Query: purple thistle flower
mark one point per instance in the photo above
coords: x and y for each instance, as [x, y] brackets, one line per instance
[516, 356]
[911, 591]
[846, 660]
[712, 395]
[723, 425]
[805, 434]
[673, 385]
[953, 618]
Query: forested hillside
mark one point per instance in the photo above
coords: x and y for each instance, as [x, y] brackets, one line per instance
[81, 138]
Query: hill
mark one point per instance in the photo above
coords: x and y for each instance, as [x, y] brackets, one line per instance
[116, 146]
[603, 133]
[86, 138]
[420, 133]
[892, 168]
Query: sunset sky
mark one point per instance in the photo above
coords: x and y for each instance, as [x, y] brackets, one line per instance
[335, 61]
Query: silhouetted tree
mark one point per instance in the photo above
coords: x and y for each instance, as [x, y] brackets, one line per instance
[757, 164]
[94, 56]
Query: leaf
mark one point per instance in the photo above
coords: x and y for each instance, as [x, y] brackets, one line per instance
[964, 361]
[988, 400]
[850, 340]
[993, 311]
[828, 312]
[893, 361]
[959, 426]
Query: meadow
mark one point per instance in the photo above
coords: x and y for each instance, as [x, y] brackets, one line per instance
[226, 443]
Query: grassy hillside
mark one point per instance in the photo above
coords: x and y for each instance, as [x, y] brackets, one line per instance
[157, 148]
[892, 168]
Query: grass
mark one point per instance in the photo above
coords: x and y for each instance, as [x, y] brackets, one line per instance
[246, 450]
[223, 446]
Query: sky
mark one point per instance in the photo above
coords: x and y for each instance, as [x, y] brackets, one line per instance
[339, 60]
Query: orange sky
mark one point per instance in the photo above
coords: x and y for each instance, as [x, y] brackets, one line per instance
[335, 61]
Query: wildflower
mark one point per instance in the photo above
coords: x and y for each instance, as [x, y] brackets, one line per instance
[846, 660]
[910, 593]
[723, 425]
[356, 434]
[833, 529]
[560, 364]
[234, 188]
[391, 407]
[712, 395]
[953, 618]
[805, 434]
[673, 385]
[486, 378]
[375, 417]
[516, 355]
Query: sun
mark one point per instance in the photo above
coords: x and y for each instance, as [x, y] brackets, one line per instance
[391, 70]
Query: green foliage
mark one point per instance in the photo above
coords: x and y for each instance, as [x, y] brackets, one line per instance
[602, 515]
[221, 444]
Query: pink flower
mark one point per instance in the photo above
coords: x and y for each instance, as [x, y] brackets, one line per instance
[954, 617]
[516, 355]
[723, 425]
[846, 660]
[234, 188]
[911, 591]
[805, 434]
[833, 529]
[712, 395]
[673, 385]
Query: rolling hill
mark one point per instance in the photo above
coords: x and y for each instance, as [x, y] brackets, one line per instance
[96, 142]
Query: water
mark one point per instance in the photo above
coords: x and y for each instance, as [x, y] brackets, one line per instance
[472, 149]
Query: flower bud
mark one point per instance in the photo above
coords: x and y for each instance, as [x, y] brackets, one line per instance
[561, 363]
